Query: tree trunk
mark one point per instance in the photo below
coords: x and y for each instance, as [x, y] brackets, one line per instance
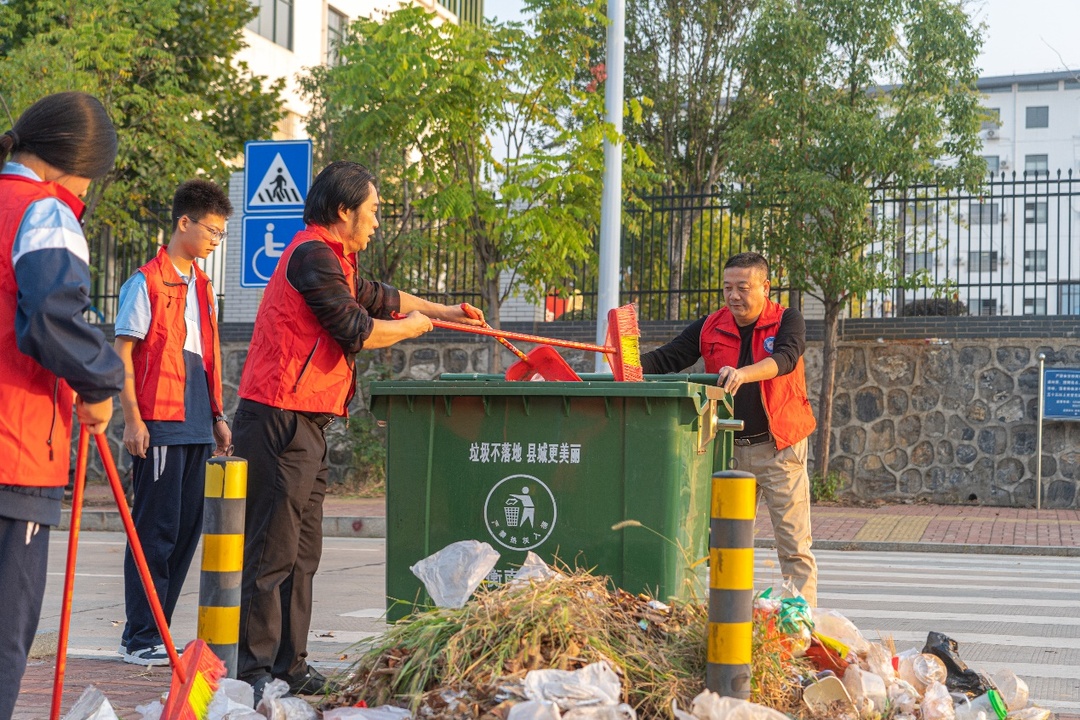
[828, 383]
[490, 291]
[679, 233]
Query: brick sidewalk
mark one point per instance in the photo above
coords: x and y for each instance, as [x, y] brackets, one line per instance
[938, 524]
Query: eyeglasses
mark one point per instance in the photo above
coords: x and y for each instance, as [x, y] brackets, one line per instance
[218, 235]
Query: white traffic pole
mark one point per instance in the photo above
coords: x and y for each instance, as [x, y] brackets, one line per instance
[611, 200]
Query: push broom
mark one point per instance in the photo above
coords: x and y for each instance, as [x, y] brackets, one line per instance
[622, 347]
[197, 672]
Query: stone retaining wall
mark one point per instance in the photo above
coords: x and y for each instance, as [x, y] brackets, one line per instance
[950, 421]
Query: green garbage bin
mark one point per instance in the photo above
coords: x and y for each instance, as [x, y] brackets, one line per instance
[551, 467]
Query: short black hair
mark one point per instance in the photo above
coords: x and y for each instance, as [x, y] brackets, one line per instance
[341, 184]
[69, 130]
[748, 260]
[199, 198]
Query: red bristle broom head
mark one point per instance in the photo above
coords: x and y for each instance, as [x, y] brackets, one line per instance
[202, 670]
[624, 335]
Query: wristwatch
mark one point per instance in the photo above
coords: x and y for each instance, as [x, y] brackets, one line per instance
[222, 418]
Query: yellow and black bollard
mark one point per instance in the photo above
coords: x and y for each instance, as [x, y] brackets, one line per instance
[731, 583]
[223, 557]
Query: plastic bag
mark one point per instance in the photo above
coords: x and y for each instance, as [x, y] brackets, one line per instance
[383, 712]
[533, 710]
[710, 706]
[1031, 713]
[91, 705]
[879, 662]
[937, 703]
[451, 575]
[594, 684]
[959, 678]
[230, 696]
[534, 569]
[867, 691]
[275, 706]
[903, 696]
[832, 624]
[151, 710]
[621, 711]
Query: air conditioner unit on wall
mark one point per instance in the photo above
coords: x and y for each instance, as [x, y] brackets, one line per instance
[991, 133]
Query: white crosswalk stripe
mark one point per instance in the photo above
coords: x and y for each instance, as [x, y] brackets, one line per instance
[1016, 612]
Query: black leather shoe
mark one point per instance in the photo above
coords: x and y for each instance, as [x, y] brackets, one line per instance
[313, 682]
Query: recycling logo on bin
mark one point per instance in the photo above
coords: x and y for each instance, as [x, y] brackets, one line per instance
[520, 512]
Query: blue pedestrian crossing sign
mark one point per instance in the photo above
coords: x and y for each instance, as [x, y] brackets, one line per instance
[265, 238]
[277, 175]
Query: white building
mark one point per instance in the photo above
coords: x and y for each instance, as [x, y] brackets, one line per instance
[289, 36]
[1014, 247]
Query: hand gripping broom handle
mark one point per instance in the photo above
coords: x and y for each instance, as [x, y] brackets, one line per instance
[520, 337]
[137, 553]
[69, 572]
[505, 343]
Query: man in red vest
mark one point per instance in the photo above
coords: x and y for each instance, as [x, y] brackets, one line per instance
[167, 336]
[300, 376]
[756, 346]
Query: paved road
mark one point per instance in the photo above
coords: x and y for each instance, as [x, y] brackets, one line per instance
[1005, 611]
[1019, 612]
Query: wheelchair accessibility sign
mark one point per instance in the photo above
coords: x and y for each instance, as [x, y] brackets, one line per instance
[277, 175]
[265, 238]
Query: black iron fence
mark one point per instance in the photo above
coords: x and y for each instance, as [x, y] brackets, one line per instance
[115, 256]
[1012, 249]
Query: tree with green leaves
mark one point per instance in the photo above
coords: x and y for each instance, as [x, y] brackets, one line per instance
[163, 69]
[681, 55]
[839, 99]
[493, 132]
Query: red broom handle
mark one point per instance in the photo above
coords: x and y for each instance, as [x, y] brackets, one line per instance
[137, 553]
[69, 572]
[505, 343]
[520, 337]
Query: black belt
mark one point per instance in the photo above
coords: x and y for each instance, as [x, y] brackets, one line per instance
[754, 439]
[320, 419]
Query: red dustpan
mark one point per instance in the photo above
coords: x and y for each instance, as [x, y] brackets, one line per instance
[542, 363]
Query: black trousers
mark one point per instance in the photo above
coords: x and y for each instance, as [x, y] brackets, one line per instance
[169, 487]
[23, 567]
[287, 473]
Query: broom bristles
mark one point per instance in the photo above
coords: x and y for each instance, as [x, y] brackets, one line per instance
[203, 671]
[624, 335]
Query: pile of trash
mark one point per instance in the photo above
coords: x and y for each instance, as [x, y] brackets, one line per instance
[550, 646]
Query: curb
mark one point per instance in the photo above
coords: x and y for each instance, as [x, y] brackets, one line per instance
[349, 527]
[375, 527]
[928, 547]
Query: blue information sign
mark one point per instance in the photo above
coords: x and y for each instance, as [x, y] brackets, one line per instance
[264, 239]
[1061, 394]
[277, 175]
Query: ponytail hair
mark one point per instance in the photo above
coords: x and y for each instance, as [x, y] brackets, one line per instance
[70, 131]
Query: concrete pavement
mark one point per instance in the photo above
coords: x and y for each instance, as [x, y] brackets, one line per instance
[902, 528]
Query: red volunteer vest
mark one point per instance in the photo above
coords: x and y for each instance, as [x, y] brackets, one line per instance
[783, 397]
[35, 404]
[160, 371]
[293, 363]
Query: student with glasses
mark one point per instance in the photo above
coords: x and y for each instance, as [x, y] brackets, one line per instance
[167, 336]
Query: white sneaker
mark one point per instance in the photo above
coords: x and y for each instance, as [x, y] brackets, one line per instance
[149, 657]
